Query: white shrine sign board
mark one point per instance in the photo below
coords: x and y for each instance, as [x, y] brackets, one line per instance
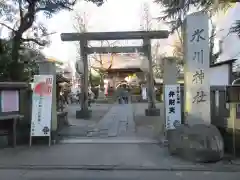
[172, 102]
[197, 69]
[42, 105]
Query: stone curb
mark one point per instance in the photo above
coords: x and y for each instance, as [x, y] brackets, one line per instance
[221, 168]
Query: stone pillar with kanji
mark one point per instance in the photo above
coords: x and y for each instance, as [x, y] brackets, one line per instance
[197, 69]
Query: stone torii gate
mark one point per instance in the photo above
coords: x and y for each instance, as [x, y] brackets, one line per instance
[146, 36]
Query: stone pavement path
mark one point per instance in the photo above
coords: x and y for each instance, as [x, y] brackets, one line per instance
[147, 156]
[122, 123]
[114, 175]
[118, 126]
[95, 157]
[80, 127]
[117, 122]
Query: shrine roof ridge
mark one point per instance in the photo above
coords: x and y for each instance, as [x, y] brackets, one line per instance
[231, 61]
[121, 35]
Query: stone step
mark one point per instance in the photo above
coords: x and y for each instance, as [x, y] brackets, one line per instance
[125, 140]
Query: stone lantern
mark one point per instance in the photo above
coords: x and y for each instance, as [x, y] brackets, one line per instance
[79, 67]
[144, 66]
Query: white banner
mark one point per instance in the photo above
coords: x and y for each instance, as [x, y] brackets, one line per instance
[42, 105]
[172, 106]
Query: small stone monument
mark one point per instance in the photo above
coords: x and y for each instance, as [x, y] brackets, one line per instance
[170, 71]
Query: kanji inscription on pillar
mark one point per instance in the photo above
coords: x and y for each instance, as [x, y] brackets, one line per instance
[197, 69]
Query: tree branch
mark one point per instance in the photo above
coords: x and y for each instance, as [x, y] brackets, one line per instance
[41, 9]
[33, 40]
[8, 27]
[53, 7]
[20, 10]
[98, 69]
[179, 37]
[232, 1]
[49, 34]
[28, 18]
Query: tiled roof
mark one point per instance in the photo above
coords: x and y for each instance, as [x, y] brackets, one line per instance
[117, 61]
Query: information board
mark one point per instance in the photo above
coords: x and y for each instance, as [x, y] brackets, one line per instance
[10, 101]
[172, 106]
[42, 105]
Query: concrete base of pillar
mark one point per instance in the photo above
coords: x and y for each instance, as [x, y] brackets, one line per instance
[83, 114]
[152, 112]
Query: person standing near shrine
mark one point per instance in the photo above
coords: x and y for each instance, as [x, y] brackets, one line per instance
[78, 95]
[125, 94]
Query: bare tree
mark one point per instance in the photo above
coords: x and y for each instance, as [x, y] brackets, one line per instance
[97, 61]
[178, 51]
[213, 56]
[146, 18]
[80, 24]
[21, 17]
[147, 25]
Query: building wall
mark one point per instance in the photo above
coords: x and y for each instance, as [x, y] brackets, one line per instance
[219, 75]
[231, 41]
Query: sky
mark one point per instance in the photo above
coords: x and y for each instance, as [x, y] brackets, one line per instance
[125, 15]
[114, 15]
